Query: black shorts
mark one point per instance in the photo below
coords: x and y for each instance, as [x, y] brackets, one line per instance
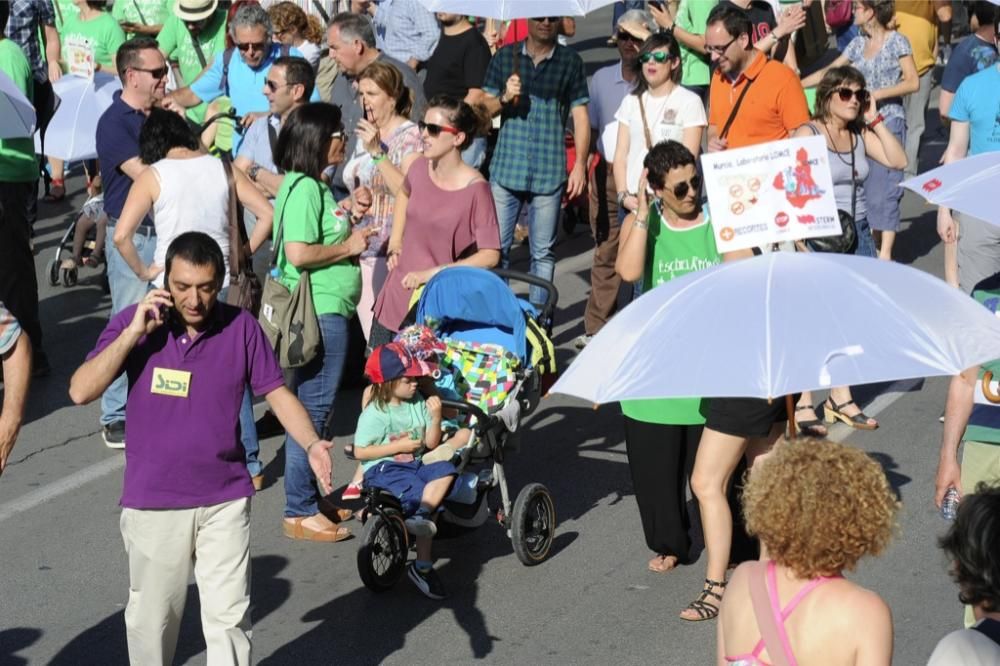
[745, 417]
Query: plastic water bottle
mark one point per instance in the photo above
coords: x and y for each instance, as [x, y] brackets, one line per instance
[949, 505]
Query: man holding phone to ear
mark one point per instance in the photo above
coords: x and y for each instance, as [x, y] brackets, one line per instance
[186, 493]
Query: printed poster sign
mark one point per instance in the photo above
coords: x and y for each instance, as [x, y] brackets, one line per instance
[79, 55]
[771, 193]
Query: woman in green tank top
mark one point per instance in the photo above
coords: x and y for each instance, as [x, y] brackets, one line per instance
[662, 240]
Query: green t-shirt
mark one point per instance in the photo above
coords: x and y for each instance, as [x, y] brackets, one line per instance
[377, 425]
[671, 253]
[336, 288]
[17, 156]
[141, 12]
[103, 33]
[175, 41]
[65, 10]
[692, 16]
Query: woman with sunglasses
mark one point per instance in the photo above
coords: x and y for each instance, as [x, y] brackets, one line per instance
[444, 214]
[845, 118]
[388, 143]
[665, 238]
[315, 236]
[658, 109]
[884, 57]
[292, 26]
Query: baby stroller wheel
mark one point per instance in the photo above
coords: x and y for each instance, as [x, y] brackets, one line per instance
[52, 270]
[533, 524]
[69, 276]
[383, 551]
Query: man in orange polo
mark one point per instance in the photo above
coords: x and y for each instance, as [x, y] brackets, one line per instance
[752, 99]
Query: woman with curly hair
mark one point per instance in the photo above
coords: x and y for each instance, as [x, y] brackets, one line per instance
[817, 507]
[292, 26]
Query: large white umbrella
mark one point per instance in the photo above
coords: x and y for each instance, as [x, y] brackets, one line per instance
[967, 186]
[782, 323]
[506, 10]
[72, 132]
[17, 114]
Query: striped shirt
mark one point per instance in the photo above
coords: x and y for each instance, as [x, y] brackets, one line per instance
[984, 421]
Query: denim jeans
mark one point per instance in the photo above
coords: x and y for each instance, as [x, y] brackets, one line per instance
[475, 153]
[126, 289]
[866, 244]
[317, 385]
[543, 221]
[248, 428]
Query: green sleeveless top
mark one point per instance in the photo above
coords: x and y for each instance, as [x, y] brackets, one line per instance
[671, 253]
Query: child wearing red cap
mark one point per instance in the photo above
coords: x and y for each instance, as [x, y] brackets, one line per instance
[393, 430]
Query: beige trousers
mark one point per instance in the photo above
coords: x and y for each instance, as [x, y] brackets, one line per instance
[164, 547]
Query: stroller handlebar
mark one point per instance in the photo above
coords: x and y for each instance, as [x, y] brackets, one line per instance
[482, 418]
[551, 292]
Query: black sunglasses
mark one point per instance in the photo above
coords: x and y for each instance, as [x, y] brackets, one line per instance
[720, 49]
[845, 95]
[659, 56]
[256, 46]
[157, 73]
[681, 189]
[549, 19]
[272, 86]
[434, 130]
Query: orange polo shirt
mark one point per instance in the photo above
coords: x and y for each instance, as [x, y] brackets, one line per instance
[774, 106]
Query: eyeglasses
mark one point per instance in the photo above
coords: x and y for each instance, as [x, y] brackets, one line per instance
[272, 86]
[547, 19]
[256, 46]
[339, 134]
[681, 189]
[434, 130]
[623, 36]
[845, 95]
[720, 49]
[659, 56]
[157, 73]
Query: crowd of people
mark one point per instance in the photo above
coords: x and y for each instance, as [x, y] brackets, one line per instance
[354, 149]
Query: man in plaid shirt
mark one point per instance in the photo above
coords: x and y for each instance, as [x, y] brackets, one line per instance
[535, 85]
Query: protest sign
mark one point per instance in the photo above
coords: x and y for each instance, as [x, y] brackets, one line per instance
[771, 193]
[78, 53]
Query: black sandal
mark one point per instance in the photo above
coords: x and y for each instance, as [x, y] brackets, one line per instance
[832, 412]
[809, 427]
[705, 609]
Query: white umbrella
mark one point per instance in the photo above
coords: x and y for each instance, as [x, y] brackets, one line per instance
[967, 186]
[71, 134]
[782, 323]
[17, 114]
[506, 10]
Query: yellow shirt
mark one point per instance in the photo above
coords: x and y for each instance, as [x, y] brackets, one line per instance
[917, 21]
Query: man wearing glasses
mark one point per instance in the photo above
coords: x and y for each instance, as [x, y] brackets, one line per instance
[191, 37]
[242, 78]
[534, 86]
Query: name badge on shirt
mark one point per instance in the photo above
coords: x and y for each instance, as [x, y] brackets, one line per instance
[171, 382]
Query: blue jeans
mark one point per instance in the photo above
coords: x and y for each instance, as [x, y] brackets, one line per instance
[248, 428]
[317, 385]
[475, 153]
[543, 219]
[866, 244]
[126, 289]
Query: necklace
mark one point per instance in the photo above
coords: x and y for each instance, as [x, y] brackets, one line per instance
[836, 152]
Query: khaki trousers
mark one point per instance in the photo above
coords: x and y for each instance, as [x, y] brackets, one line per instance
[164, 547]
[604, 281]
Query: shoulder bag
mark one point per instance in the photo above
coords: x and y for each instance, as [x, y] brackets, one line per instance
[244, 286]
[847, 241]
[287, 316]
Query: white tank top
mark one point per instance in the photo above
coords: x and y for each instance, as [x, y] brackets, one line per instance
[194, 196]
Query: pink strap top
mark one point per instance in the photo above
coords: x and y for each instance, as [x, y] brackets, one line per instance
[780, 616]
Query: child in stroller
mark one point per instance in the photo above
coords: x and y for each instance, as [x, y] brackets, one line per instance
[393, 431]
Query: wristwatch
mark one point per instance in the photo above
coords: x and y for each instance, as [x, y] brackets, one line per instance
[253, 171]
[621, 198]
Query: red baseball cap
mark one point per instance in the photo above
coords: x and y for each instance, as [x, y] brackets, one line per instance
[392, 361]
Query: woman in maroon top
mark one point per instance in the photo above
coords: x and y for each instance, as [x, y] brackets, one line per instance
[444, 214]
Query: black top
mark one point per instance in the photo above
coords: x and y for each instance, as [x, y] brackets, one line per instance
[458, 63]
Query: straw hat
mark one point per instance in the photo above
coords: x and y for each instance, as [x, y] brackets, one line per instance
[195, 10]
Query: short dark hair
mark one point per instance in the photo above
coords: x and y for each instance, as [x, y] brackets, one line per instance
[298, 72]
[473, 121]
[658, 40]
[162, 131]
[734, 20]
[663, 157]
[355, 26]
[305, 137]
[984, 11]
[972, 543]
[837, 77]
[128, 53]
[198, 248]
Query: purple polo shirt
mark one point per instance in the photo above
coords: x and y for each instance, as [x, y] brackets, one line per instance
[183, 432]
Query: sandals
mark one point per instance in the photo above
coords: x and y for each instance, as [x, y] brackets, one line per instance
[663, 563]
[832, 411]
[809, 427]
[57, 191]
[294, 529]
[706, 609]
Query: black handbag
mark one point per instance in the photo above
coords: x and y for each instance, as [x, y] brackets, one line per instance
[847, 241]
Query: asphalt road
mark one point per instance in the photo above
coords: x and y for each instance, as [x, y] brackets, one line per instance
[63, 575]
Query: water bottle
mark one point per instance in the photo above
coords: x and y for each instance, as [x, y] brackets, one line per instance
[949, 505]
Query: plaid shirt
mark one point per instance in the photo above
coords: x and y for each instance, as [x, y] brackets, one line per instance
[406, 29]
[531, 151]
[27, 17]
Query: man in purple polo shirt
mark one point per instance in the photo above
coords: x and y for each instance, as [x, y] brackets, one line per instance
[186, 495]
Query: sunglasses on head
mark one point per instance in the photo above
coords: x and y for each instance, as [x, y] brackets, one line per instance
[659, 56]
[682, 188]
[157, 73]
[548, 19]
[435, 130]
[845, 95]
[256, 46]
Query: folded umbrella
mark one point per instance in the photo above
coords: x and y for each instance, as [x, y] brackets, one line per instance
[72, 132]
[17, 114]
[965, 186]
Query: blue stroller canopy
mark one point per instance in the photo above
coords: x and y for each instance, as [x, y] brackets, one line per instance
[474, 305]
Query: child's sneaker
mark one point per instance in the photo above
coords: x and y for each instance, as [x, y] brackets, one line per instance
[426, 581]
[351, 492]
[419, 525]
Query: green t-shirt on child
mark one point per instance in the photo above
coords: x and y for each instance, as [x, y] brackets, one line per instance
[310, 215]
[17, 156]
[377, 425]
[102, 32]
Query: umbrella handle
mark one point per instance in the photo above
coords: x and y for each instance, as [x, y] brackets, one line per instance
[988, 393]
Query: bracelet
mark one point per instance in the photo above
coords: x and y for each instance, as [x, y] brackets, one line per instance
[873, 124]
[640, 224]
[253, 171]
[378, 158]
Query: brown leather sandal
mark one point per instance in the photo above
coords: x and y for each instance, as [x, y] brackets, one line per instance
[294, 529]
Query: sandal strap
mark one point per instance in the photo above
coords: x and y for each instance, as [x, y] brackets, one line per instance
[705, 610]
[841, 406]
[715, 583]
[800, 408]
